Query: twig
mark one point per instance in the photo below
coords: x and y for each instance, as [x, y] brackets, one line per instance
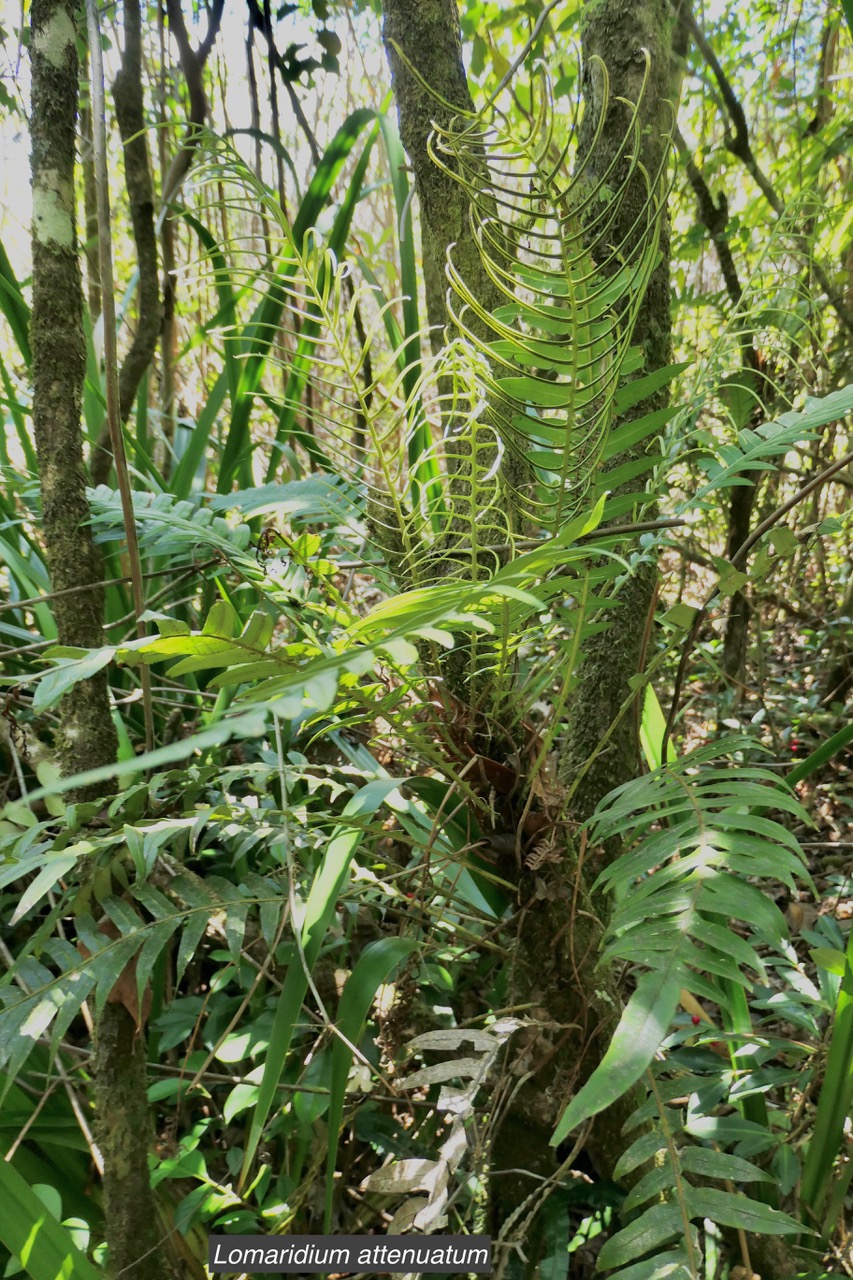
[107, 582]
[531, 40]
[737, 559]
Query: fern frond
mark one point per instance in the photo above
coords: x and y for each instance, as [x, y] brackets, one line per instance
[42, 999]
[700, 833]
[677, 1192]
[535, 379]
[557, 348]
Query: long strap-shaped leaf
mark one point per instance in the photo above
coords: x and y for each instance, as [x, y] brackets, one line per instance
[374, 967]
[318, 915]
[30, 1232]
[268, 316]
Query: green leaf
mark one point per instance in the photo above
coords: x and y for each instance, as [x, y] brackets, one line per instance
[835, 1100]
[251, 724]
[628, 435]
[642, 1027]
[730, 1210]
[221, 621]
[14, 308]
[375, 964]
[32, 1234]
[641, 388]
[785, 541]
[319, 911]
[680, 616]
[68, 672]
[259, 335]
[54, 869]
[656, 1227]
[644, 1148]
[818, 758]
[826, 958]
[708, 1163]
[652, 727]
[673, 1265]
[731, 581]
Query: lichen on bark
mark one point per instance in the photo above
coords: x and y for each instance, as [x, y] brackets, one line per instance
[86, 737]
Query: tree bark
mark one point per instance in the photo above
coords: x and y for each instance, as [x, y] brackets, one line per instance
[617, 31]
[423, 36]
[130, 114]
[86, 737]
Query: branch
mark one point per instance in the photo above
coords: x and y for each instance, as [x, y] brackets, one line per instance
[714, 216]
[737, 560]
[258, 18]
[129, 107]
[738, 144]
[110, 360]
[192, 64]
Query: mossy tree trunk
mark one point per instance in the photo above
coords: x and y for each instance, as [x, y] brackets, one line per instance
[423, 37]
[573, 1008]
[617, 32]
[86, 736]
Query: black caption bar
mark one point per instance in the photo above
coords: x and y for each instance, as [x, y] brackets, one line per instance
[321, 1255]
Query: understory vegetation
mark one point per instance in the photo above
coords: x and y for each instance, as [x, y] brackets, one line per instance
[425, 619]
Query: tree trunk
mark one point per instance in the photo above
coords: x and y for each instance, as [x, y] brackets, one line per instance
[736, 638]
[424, 35]
[130, 115]
[86, 737]
[573, 1010]
[616, 31]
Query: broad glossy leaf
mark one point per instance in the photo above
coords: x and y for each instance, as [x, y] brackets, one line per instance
[31, 1233]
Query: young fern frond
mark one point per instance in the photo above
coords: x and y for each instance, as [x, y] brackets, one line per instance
[557, 348]
[522, 397]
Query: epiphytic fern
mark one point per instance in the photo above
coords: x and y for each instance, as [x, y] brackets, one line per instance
[532, 381]
[559, 344]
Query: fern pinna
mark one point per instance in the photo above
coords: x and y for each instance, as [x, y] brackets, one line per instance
[688, 914]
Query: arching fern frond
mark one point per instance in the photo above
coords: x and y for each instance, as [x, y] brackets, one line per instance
[679, 1191]
[115, 957]
[559, 345]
